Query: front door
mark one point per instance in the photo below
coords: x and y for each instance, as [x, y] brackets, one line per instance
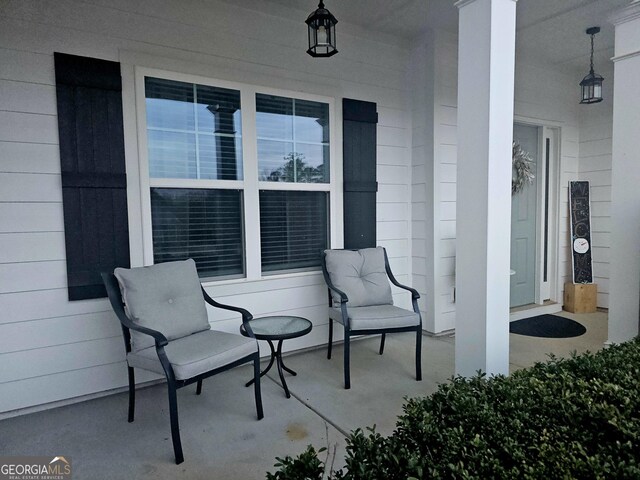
[523, 224]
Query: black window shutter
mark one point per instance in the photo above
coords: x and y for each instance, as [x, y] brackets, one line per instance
[359, 160]
[94, 190]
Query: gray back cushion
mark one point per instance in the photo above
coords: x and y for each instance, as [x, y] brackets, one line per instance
[361, 275]
[166, 297]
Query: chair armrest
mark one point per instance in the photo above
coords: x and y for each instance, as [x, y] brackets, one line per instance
[414, 293]
[115, 297]
[332, 287]
[161, 340]
[246, 316]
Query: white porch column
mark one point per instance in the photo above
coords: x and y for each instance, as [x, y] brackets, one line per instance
[625, 179]
[486, 63]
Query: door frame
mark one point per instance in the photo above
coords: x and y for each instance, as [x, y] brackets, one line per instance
[546, 288]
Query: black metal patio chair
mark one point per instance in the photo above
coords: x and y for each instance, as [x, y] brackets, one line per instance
[166, 330]
[360, 299]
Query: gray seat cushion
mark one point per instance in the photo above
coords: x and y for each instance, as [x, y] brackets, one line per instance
[166, 297]
[361, 274]
[376, 317]
[196, 354]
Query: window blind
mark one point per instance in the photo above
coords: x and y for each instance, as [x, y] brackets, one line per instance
[202, 224]
[293, 229]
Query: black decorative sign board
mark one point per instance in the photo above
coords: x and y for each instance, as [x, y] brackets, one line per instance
[580, 232]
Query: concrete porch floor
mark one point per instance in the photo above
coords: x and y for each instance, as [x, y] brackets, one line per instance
[220, 435]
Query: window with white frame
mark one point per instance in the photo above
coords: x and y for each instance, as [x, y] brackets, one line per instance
[195, 163]
[196, 176]
[293, 147]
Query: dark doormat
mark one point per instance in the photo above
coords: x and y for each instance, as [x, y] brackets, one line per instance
[547, 326]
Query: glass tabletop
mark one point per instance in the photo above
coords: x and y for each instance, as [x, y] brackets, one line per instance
[280, 326]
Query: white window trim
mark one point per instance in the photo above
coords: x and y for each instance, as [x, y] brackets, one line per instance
[250, 184]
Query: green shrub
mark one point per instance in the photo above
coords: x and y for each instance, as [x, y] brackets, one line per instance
[307, 466]
[565, 418]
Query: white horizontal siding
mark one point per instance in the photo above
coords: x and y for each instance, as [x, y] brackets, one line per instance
[68, 384]
[25, 66]
[61, 358]
[31, 247]
[392, 223]
[445, 140]
[31, 276]
[392, 136]
[389, 155]
[420, 77]
[393, 211]
[448, 154]
[29, 305]
[271, 302]
[20, 157]
[52, 349]
[49, 332]
[28, 128]
[30, 217]
[596, 126]
[395, 247]
[393, 174]
[30, 187]
[27, 97]
[392, 193]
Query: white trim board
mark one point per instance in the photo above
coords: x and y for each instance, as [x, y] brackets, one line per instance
[534, 311]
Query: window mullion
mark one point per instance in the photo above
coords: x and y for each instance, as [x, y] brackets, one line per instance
[195, 120]
[295, 150]
[143, 155]
[251, 192]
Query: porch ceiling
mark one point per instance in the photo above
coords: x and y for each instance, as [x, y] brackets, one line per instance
[553, 32]
[549, 31]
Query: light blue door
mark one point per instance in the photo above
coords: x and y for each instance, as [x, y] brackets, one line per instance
[523, 225]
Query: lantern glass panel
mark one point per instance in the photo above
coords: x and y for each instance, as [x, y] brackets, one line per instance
[597, 90]
[322, 35]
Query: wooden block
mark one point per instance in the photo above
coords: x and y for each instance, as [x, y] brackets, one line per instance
[580, 297]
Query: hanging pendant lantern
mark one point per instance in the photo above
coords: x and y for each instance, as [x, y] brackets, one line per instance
[591, 84]
[322, 32]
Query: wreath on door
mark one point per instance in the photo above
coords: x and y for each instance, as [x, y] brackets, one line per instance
[522, 169]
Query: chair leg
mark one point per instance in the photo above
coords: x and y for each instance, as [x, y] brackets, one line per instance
[330, 339]
[175, 427]
[199, 387]
[419, 354]
[384, 335]
[256, 386]
[347, 373]
[132, 394]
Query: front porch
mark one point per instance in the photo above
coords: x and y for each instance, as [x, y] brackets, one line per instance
[220, 435]
[441, 207]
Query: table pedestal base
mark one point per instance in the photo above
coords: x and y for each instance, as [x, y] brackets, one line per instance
[276, 354]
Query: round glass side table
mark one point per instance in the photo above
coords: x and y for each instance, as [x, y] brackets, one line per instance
[277, 328]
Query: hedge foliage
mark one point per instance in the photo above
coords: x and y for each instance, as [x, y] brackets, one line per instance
[565, 418]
